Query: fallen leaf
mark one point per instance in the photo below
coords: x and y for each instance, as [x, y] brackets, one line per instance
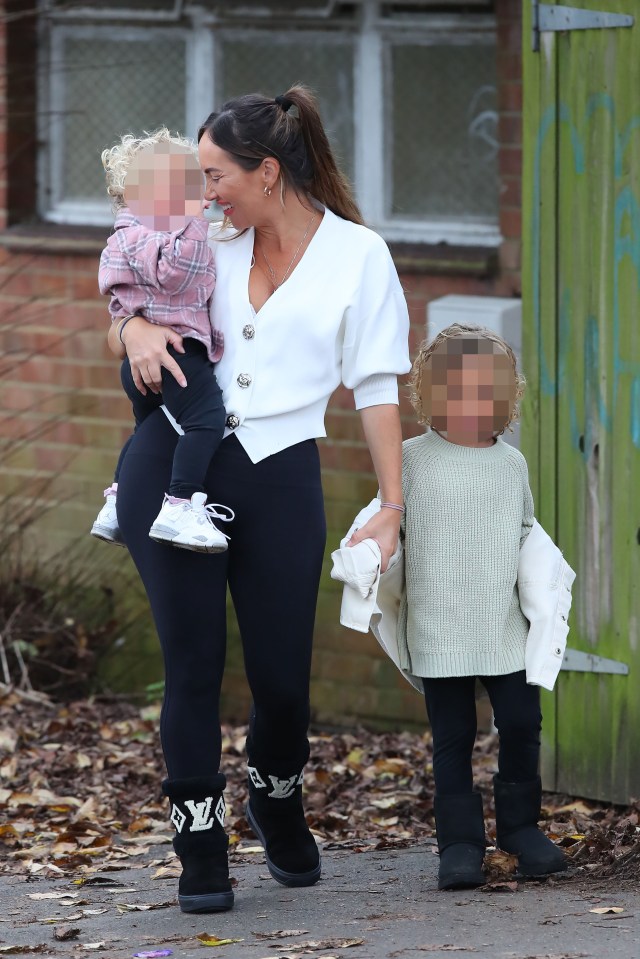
[53, 895]
[65, 933]
[143, 907]
[280, 933]
[168, 872]
[24, 950]
[324, 944]
[208, 940]
[500, 886]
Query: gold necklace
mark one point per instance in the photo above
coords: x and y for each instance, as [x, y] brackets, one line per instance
[272, 272]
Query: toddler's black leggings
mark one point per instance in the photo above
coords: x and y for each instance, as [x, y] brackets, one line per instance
[451, 707]
[273, 569]
[198, 408]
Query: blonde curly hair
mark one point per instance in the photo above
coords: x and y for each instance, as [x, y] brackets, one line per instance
[459, 331]
[117, 159]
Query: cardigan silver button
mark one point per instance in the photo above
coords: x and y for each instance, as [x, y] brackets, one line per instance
[232, 421]
[563, 617]
[558, 651]
[248, 331]
[243, 381]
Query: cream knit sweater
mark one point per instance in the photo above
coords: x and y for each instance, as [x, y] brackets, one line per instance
[468, 511]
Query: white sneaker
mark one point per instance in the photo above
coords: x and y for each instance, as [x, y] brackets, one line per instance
[106, 523]
[188, 524]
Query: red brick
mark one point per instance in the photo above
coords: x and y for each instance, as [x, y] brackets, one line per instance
[511, 193]
[511, 223]
[82, 286]
[510, 96]
[510, 161]
[510, 126]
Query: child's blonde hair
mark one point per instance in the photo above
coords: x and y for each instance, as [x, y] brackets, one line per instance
[458, 331]
[117, 159]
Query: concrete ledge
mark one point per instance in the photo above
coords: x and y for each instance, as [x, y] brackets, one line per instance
[50, 238]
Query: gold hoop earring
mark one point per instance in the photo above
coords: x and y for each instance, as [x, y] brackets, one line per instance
[267, 191]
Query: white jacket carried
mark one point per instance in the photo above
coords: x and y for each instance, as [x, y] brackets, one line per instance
[371, 600]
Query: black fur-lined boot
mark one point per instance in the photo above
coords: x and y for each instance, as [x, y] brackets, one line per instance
[197, 812]
[461, 840]
[517, 814]
[276, 816]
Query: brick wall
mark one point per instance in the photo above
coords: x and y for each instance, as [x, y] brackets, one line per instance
[63, 416]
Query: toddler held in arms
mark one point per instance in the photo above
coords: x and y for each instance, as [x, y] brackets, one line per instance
[158, 264]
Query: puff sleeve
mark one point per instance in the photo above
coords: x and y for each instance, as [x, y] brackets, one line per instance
[375, 348]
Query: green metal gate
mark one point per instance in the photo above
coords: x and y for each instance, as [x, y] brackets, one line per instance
[581, 343]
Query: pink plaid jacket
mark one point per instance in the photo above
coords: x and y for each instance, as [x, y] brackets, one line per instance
[167, 277]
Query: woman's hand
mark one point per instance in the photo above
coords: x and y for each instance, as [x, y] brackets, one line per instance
[146, 345]
[384, 528]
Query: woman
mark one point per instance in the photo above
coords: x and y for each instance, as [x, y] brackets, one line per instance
[306, 297]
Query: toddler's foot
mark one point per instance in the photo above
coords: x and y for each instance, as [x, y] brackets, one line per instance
[188, 524]
[106, 523]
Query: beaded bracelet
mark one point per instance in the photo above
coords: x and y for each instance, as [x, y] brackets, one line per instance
[392, 506]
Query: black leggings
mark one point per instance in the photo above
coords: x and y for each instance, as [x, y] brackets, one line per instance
[273, 569]
[198, 408]
[451, 706]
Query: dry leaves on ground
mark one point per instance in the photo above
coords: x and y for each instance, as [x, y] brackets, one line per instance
[80, 793]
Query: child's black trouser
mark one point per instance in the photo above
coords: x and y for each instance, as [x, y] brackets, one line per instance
[197, 407]
[451, 707]
[272, 568]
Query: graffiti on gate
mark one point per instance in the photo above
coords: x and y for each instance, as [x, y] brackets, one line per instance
[600, 395]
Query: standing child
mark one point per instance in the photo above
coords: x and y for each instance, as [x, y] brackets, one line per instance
[158, 264]
[469, 509]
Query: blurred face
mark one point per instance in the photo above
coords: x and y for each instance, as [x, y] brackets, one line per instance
[469, 390]
[238, 192]
[163, 188]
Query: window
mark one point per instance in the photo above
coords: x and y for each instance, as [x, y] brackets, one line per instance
[407, 93]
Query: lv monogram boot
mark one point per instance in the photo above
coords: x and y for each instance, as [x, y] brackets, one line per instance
[276, 816]
[517, 814]
[197, 812]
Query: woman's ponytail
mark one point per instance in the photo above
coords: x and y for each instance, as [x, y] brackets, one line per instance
[329, 184]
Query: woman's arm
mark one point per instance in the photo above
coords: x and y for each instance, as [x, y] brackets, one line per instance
[146, 346]
[383, 433]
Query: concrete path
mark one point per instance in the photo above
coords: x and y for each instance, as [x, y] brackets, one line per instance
[388, 899]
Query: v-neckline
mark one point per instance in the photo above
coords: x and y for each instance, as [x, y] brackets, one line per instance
[252, 233]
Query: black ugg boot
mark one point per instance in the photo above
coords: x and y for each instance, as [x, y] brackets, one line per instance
[276, 816]
[517, 814]
[197, 812]
[461, 840]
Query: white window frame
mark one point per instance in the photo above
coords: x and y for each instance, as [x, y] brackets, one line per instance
[374, 36]
[51, 204]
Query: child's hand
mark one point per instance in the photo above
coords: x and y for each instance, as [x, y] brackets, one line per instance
[384, 528]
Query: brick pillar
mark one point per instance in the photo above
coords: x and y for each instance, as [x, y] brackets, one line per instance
[509, 62]
[3, 117]
[18, 139]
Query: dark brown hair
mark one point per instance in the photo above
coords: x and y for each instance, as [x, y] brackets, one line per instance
[253, 127]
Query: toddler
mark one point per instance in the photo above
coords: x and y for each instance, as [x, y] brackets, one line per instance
[158, 264]
[468, 510]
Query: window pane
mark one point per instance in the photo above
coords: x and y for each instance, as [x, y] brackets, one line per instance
[110, 89]
[273, 63]
[443, 127]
